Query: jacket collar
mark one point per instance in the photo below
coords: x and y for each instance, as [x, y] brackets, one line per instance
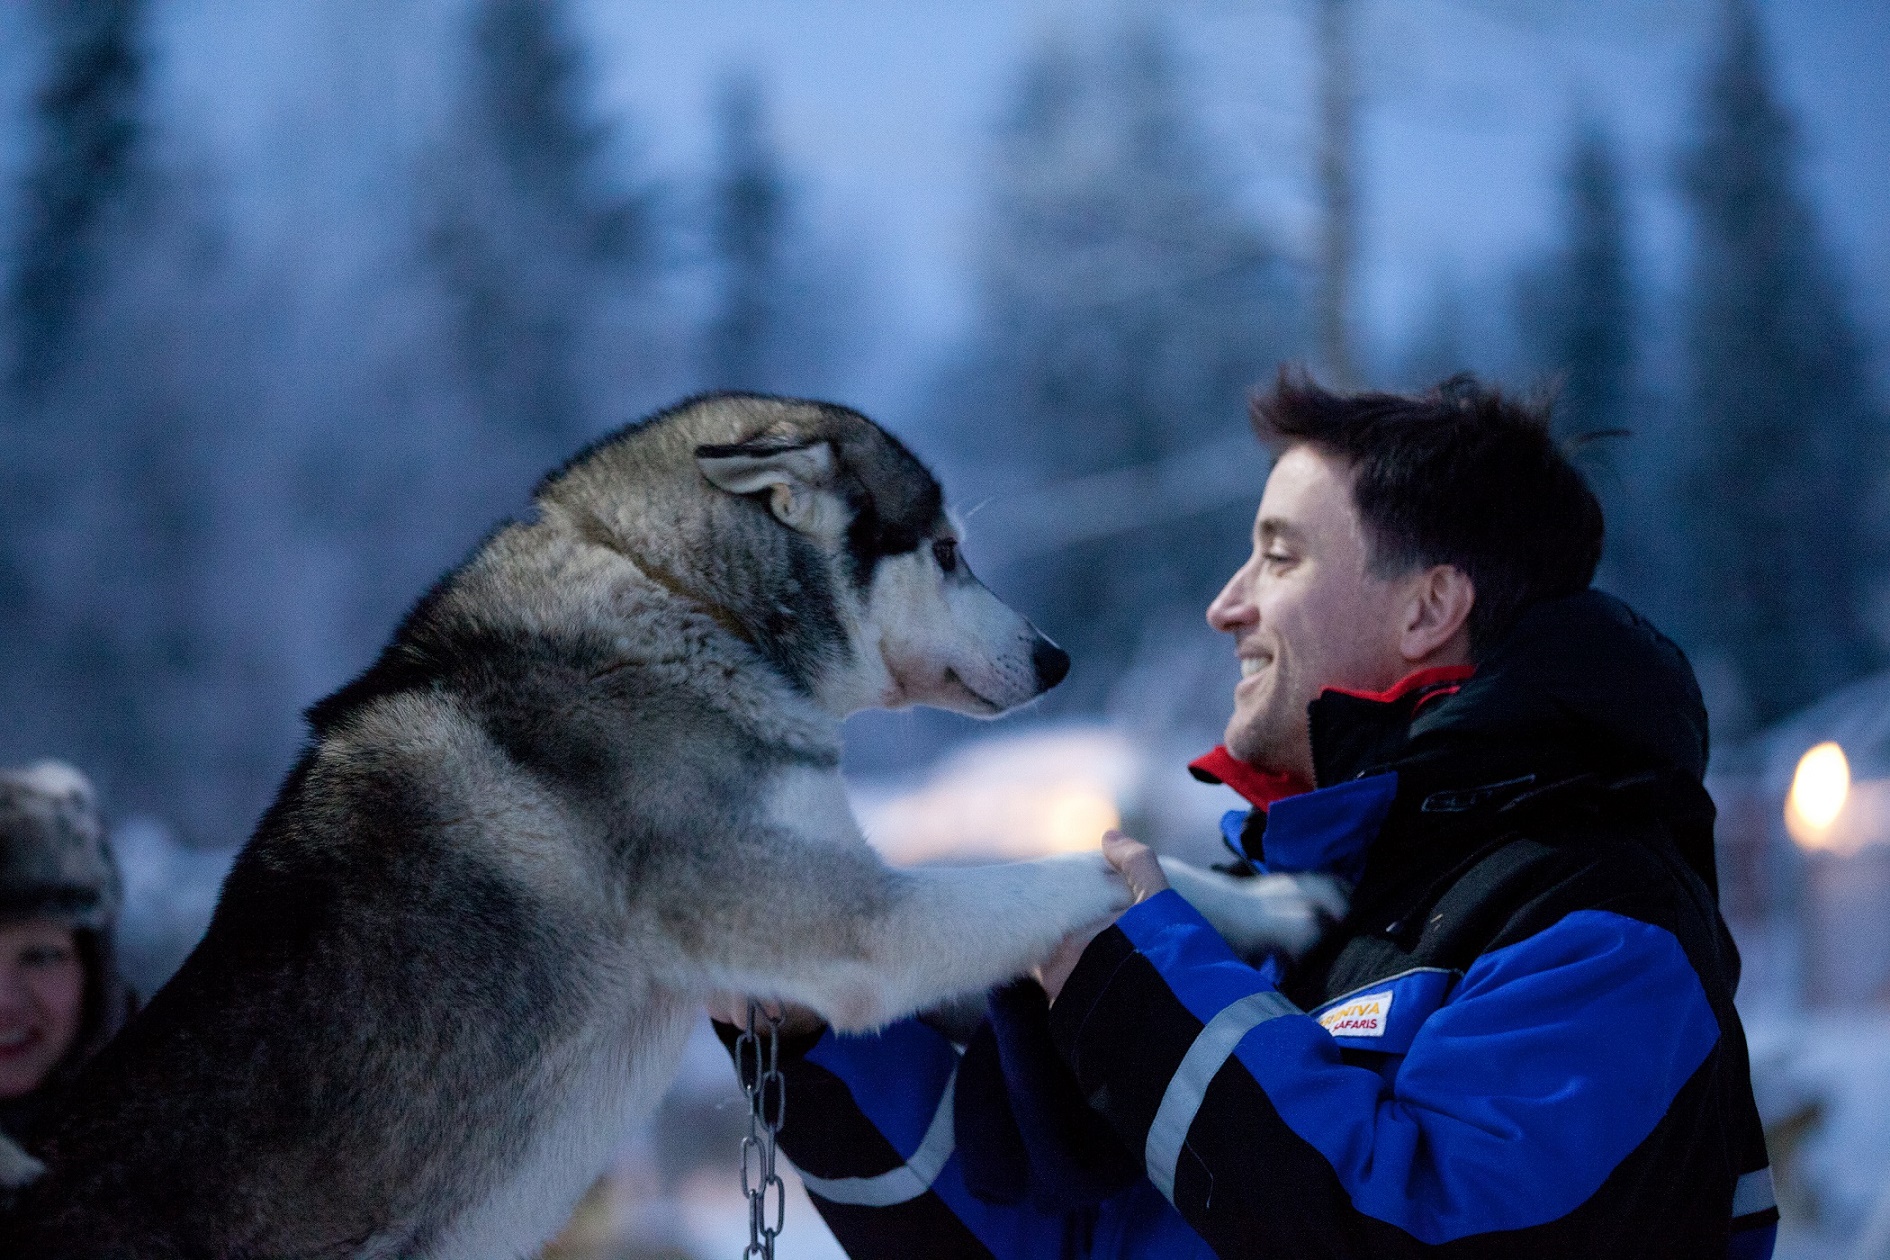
[1330, 828]
[1260, 787]
[1369, 720]
[1354, 732]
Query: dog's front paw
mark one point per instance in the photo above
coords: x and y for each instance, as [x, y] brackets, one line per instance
[1099, 889]
[1266, 914]
[1328, 896]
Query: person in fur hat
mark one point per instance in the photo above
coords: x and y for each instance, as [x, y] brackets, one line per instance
[60, 996]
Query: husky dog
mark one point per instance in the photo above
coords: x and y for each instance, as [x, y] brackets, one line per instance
[594, 778]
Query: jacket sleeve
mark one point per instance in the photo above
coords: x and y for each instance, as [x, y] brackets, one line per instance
[1549, 1063]
[870, 1126]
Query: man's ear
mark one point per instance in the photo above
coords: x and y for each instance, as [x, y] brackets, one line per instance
[798, 481]
[1436, 630]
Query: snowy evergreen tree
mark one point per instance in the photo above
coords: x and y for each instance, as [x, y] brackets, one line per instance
[86, 123]
[1581, 317]
[529, 236]
[1579, 323]
[85, 127]
[87, 118]
[123, 351]
[1440, 346]
[780, 301]
[748, 217]
[1128, 306]
[1787, 476]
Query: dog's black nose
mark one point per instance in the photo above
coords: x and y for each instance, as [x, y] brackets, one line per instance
[1052, 663]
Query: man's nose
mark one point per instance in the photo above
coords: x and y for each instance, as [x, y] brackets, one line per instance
[1231, 609]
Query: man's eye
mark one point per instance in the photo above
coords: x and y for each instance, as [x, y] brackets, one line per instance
[1276, 557]
[945, 551]
[44, 956]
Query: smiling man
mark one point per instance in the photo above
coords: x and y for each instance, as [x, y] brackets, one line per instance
[1521, 1039]
[1311, 606]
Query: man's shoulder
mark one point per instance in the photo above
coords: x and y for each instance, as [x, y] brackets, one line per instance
[1628, 868]
[1527, 884]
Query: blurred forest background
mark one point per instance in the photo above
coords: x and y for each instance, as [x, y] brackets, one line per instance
[297, 301]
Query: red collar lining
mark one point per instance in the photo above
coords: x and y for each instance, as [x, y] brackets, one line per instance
[1412, 682]
[1263, 787]
[1260, 787]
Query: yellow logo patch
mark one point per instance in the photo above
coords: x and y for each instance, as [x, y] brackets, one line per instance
[1364, 1016]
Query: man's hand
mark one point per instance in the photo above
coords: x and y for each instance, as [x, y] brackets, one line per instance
[1136, 863]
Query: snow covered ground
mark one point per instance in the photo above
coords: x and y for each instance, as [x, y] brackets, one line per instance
[1835, 1180]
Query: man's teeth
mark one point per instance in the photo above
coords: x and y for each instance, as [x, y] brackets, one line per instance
[14, 1040]
[1249, 666]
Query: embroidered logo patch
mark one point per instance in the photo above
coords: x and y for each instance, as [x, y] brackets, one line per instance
[1367, 1015]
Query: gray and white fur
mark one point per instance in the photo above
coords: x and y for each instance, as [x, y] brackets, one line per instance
[594, 778]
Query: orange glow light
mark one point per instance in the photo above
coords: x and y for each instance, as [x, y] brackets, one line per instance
[1820, 786]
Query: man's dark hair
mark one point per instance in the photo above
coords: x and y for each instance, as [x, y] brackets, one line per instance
[1459, 475]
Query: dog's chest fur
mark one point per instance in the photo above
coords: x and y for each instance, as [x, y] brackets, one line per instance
[612, 1076]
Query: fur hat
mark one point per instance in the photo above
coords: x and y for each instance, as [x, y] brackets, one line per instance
[54, 861]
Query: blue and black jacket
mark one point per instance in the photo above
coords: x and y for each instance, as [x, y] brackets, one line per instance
[1520, 1042]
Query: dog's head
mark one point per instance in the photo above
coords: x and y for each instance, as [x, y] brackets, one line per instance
[818, 537]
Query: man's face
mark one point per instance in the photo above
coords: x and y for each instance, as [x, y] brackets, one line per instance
[1304, 612]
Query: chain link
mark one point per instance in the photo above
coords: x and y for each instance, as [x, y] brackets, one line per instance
[758, 1065]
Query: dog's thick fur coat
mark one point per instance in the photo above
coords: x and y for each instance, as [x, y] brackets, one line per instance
[594, 778]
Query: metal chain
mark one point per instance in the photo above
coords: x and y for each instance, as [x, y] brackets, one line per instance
[767, 1109]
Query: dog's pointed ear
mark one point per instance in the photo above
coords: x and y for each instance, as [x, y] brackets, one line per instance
[798, 480]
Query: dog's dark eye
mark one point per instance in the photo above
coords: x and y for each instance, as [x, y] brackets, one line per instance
[945, 551]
